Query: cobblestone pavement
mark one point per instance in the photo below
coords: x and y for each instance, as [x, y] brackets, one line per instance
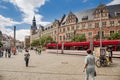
[52, 67]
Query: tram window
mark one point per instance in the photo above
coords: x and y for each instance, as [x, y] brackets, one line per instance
[85, 47]
[80, 48]
[76, 48]
[110, 47]
[59, 47]
[67, 48]
[96, 45]
[72, 48]
[51, 47]
[118, 47]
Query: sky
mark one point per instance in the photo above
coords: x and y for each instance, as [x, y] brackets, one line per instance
[20, 13]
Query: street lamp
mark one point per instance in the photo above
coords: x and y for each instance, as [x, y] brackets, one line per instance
[14, 49]
[74, 33]
[100, 28]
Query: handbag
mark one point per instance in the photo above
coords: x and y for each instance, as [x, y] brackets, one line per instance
[95, 73]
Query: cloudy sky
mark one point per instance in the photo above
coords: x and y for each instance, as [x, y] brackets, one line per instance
[20, 13]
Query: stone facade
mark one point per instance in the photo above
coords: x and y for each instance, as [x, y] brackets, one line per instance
[86, 22]
[27, 42]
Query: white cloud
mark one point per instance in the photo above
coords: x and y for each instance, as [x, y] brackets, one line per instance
[29, 8]
[113, 2]
[7, 21]
[20, 34]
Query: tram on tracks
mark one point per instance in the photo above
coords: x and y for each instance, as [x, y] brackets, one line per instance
[81, 47]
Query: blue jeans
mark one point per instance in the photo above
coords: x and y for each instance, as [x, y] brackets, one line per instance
[90, 71]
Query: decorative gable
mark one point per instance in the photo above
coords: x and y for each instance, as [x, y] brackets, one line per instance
[56, 23]
[71, 18]
[101, 11]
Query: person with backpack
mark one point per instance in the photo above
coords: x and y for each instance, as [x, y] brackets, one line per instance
[26, 58]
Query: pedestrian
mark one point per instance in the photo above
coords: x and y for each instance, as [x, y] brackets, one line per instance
[89, 67]
[9, 52]
[26, 58]
[2, 52]
[6, 53]
[39, 51]
[110, 55]
[36, 51]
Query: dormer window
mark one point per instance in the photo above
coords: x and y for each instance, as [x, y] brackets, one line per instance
[85, 18]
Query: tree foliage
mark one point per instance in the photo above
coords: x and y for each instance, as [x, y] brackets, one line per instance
[79, 38]
[1, 43]
[42, 41]
[47, 39]
[114, 36]
[35, 43]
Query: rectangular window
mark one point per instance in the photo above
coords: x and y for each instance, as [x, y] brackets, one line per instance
[83, 25]
[68, 28]
[72, 27]
[90, 34]
[111, 23]
[99, 33]
[119, 23]
[103, 24]
[60, 30]
[64, 37]
[55, 32]
[96, 25]
[60, 37]
[77, 27]
[111, 32]
[63, 29]
[89, 25]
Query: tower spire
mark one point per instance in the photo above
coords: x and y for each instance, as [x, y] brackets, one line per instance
[34, 22]
[33, 27]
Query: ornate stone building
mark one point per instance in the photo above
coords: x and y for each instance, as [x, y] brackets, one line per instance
[86, 22]
[27, 42]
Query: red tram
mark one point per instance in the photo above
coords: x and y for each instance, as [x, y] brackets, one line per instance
[81, 47]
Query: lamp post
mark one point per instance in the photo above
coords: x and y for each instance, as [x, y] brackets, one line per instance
[57, 37]
[14, 49]
[74, 33]
[100, 28]
[14, 36]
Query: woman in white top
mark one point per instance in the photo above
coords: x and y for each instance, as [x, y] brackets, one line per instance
[89, 65]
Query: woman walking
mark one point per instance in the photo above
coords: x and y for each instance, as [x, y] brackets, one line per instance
[89, 66]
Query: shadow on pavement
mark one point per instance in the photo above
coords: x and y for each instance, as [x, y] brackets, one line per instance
[1, 78]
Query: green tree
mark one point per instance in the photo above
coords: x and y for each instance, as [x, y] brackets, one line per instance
[47, 39]
[35, 43]
[42, 41]
[1, 43]
[114, 36]
[79, 38]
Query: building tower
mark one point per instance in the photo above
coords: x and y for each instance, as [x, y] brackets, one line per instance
[33, 27]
